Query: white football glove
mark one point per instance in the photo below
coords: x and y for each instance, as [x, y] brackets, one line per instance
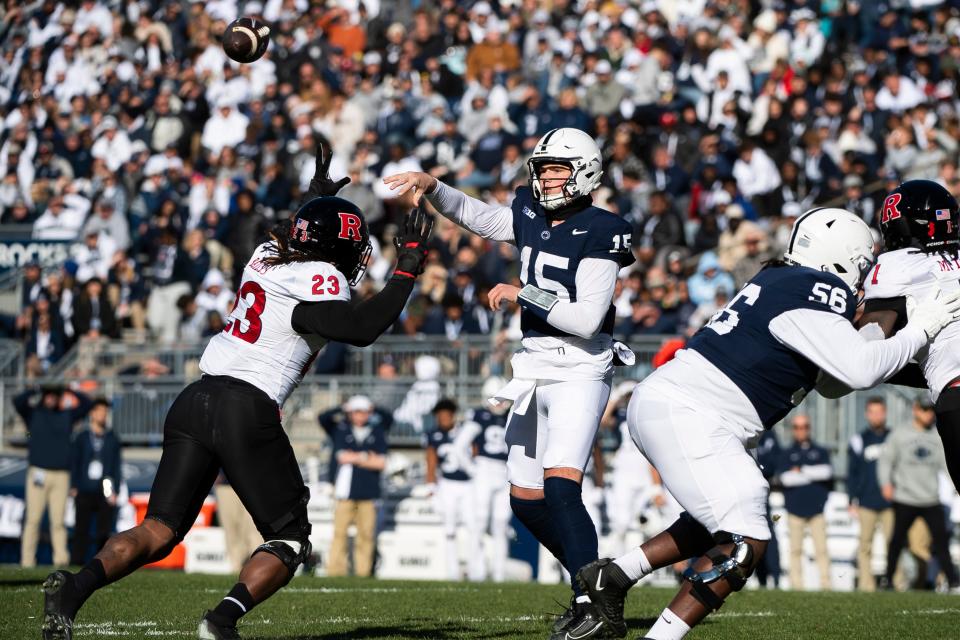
[934, 314]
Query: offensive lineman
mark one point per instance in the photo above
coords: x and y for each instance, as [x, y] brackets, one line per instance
[294, 296]
[919, 223]
[570, 253]
[740, 374]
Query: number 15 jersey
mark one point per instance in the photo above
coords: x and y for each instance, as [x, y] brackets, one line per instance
[258, 344]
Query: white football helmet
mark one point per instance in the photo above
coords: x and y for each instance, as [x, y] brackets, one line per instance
[832, 240]
[571, 147]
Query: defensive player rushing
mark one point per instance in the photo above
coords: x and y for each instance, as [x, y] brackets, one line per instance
[450, 457]
[294, 296]
[570, 253]
[920, 224]
[485, 429]
[742, 373]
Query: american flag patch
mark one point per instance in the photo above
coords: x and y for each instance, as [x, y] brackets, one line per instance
[943, 214]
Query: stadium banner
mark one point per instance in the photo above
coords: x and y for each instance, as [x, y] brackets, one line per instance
[17, 252]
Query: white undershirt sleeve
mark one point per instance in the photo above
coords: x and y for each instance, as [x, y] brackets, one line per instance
[831, 342]
[492, 222]
[596, 279]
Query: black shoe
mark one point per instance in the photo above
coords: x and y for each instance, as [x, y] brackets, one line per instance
[607, 586]
[568, 616]
[587, 624]
[210, 630]
[57, 625]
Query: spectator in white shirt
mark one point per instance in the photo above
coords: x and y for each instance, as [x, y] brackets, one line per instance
[808, 41]
[755, 172]
[899, 93]
[94, 256]
[731, 57]
[113, 146]
[226, 128]
[96, 15]
[59, 222]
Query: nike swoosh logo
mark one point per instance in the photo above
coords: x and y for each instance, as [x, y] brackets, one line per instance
[578, 232]
[600, 577]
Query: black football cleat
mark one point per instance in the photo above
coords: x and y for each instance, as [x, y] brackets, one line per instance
[210, 630]
[607, 585]
[587, 624]
[57, 625]
[567, 616]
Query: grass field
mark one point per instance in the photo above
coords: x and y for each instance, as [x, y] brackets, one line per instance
[160, 604]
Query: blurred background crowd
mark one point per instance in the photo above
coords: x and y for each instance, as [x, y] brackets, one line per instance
[125, 131]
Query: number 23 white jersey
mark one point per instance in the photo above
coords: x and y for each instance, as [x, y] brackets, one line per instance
[921, 275]
[258, 344]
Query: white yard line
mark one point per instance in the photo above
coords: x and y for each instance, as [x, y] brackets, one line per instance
[927, 612]
[749, 614]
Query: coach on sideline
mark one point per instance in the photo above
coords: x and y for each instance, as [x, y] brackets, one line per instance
[358, 435]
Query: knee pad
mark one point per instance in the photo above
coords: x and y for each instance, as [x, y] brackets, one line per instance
[290, 552]
[735, 568]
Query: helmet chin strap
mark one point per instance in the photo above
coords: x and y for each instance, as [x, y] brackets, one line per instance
[574, 206]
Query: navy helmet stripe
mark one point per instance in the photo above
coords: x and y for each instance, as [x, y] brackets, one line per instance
[796, 227]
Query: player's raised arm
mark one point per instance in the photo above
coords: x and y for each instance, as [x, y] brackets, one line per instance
[492, 222]
[360, 323]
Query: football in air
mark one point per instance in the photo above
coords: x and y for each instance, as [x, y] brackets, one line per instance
[246, 39]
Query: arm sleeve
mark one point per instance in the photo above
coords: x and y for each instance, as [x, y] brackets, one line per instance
[488, 221]
[596, 279]
[355, 323]
[831, 342]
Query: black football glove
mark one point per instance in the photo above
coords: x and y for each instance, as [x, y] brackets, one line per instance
[411, 243]
[321, 184]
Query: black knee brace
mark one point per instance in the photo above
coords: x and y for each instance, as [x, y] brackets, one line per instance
[735, 568]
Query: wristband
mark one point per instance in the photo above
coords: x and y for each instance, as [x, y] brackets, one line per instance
[538, 297]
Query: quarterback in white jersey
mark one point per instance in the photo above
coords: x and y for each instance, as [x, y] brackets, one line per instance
[919, 223]
[570, 254]
[295, 295]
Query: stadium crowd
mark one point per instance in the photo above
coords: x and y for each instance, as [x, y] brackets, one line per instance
[127, 132]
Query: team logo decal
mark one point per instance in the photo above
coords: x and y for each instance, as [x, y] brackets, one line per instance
[349, 226]
[545, 235]
[890, 210]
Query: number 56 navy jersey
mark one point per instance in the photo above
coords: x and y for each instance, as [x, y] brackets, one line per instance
[738, 341]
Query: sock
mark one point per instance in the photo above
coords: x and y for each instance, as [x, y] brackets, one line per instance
[573, 524]
[535, 516]
[634, 563]
[669, 626]
[233, 606]
[82, 584]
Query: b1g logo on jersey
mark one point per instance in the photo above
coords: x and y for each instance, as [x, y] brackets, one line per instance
[350, 227]
[890, 209]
